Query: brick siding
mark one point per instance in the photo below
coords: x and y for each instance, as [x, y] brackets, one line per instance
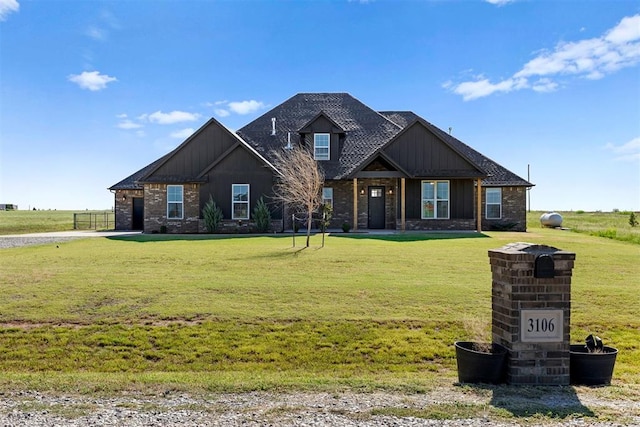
[514, 210]
[155, 209]
[124, 208]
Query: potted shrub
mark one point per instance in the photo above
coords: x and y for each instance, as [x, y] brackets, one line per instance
[480, 361]
[591, 363]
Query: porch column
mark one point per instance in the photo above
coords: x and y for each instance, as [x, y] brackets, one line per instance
[403, 211]
[355, 204]
[479, 209]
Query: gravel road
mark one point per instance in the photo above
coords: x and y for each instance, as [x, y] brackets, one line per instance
[304, 409]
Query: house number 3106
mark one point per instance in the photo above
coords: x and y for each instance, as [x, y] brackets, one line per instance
[541, 325]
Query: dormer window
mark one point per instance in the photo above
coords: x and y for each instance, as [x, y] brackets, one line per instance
[321, 143]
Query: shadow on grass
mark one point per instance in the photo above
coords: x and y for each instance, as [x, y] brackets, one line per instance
[412, 236]
[154, 238]
[389, 237]
[535, 401]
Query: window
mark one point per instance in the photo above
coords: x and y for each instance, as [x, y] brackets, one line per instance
[435, 199]
[494, 203]
[321, 146]
[376, 192]
[174, 201]
[327, 196]
[240, 201]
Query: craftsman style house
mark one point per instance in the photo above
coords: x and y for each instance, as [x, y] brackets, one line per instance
[383, 170]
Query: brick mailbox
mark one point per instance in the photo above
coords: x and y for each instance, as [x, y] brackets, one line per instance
[531, 311]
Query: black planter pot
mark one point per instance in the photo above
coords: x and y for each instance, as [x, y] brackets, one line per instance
[591, 368]
[481, 367]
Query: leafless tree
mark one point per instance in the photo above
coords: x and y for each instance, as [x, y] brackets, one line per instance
[300, 183]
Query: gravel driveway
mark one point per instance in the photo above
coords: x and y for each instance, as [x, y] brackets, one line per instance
[17, 240]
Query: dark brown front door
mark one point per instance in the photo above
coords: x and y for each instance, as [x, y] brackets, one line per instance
[376, 207]
[137, 221]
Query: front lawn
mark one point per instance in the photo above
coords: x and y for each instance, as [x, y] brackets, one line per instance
[246, 313]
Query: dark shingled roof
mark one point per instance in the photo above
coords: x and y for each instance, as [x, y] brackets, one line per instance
[131, 182]
[364, 130]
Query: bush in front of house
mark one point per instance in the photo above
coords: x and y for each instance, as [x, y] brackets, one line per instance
[212, 216]
[262, 216]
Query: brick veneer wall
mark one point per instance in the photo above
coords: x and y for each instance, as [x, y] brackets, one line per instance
[514, 210]
[514, 288]
[124, 208]
[155, 208]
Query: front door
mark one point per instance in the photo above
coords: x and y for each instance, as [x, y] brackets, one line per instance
[376, 207]
[137, 222]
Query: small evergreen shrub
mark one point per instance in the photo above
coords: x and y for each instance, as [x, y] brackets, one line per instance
[632, 219]
[262, 216]
[212, 215]
[346, 227]
[327, 213]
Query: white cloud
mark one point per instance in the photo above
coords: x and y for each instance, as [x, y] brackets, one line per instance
[128, 124]
[629, 151]
[96, 33]
[91, 80]
[479, 88]
[226, 108]
[500, 2]
[628, 30]
[170, 118]
[245, 107]
[544, 85]
[590, 59]
[182, 134]
[7, 7]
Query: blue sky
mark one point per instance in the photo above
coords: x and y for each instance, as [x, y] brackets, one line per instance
[92, 91]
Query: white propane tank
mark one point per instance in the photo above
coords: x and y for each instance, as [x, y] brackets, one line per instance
[551, 219]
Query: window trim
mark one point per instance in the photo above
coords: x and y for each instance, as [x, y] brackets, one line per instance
[487, 204]
[435, 199]
[234, 202]
[175, 202]
[316, 147]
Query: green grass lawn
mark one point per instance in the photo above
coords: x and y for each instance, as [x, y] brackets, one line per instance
[247, 313]
[24, 221]
[612, 225]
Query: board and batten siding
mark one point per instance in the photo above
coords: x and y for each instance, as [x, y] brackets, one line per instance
[199, 151]
[422, 154]
[239, 167]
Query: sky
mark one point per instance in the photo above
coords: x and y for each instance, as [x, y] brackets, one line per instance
[92, 91]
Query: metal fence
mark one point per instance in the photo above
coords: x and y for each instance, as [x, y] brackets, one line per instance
[94, 221]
